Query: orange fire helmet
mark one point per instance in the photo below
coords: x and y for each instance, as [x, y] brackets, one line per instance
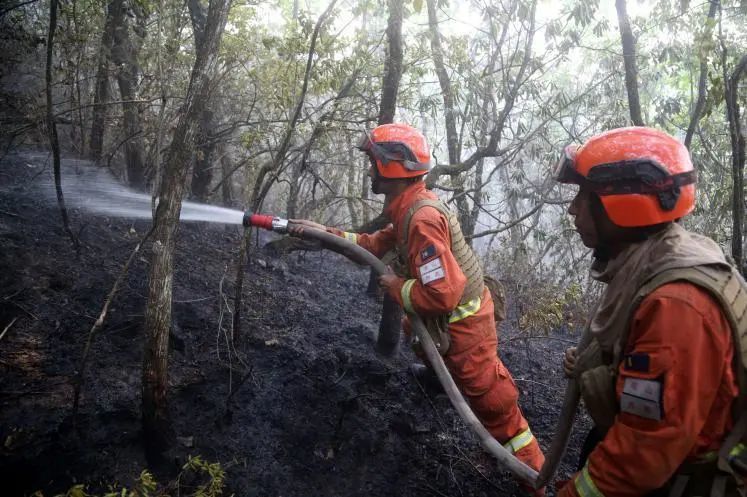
[642, 176]
[398, 150]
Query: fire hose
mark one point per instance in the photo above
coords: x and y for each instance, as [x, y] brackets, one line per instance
[358, 254]
[565, 424]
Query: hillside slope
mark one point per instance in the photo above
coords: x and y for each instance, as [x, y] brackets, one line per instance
[301, 406]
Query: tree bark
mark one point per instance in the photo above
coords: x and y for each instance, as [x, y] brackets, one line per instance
[736, 136]
[450, 111]
[452, 138]
[54, 141]
[393, 66]
[296, 178]
[202, 173]
[124, 55]
[631, 68]
[351, 187]
[101, 93]
[156, 426]
[391, 312]
[225, 163]
[703, 79]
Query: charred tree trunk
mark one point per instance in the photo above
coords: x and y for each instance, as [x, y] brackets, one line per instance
[365, 195]
[631, 67]
[703, 79]
[450, 111]
[101, 93]
[226, 167]
[391, 312]
[54, 141]
[202, 173]
[393, 67]
[296, 178]
[351, 187]
[124, 55]
[736, 135]
[447, 93]
[156, 426]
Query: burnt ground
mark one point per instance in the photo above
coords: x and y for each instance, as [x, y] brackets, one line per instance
[319, 413]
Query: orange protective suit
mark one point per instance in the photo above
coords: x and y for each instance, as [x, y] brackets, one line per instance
[472, 357]
[681, 339]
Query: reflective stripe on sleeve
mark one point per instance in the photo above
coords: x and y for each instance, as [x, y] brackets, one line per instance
[465, 310]
[405, 293]
[711, 456]
[519, 441]
[585, 486]
[351, 237]
[738, 450]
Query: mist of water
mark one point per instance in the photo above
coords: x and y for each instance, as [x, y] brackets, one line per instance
[96, 191]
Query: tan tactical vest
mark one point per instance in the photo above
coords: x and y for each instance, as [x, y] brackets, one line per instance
[462, 252]
[597, 383]
[464, 255]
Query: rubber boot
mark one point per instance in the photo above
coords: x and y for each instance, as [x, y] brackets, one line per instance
[532, 456]
[427, 378]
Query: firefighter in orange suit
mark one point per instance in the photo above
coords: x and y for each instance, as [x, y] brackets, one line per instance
[660, 373]
[438, 284]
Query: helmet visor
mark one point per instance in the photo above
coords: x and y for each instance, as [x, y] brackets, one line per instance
[565, 170]
[386, 152]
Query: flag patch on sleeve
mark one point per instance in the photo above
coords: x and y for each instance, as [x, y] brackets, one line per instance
[427, 252]
[637, 362]
[431, 271]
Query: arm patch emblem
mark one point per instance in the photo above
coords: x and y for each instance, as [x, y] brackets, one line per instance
[637, 362]
[642, 398]
[431, 271]
[427, 252]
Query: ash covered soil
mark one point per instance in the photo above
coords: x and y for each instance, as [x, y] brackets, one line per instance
[301, 406]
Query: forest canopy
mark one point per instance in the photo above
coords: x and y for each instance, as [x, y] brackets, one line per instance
[497, 87]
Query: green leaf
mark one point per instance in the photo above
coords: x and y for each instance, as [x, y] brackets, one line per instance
[417, 5]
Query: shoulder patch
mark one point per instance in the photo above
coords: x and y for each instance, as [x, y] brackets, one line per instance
[637, 362]
[642, 398]
[431, 271]
[427, 253]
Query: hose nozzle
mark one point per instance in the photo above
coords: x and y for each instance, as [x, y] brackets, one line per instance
[271, 223]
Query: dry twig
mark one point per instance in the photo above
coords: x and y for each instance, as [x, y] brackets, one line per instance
[8, 327]
[9, 213]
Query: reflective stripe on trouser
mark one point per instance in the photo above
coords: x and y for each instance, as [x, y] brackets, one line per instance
[485, 382]
[519, 441]
[351, 237]
[585, 486]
